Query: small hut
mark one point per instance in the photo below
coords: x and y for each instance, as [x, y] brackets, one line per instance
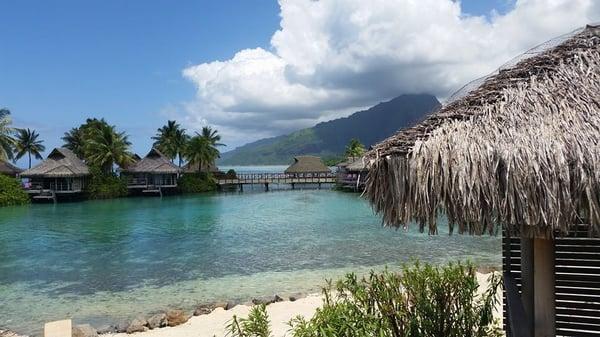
[9, 169]
[517, 151]
[61, 173]
[307, 167]
[194, 168]
[152, 173]
[352, 173]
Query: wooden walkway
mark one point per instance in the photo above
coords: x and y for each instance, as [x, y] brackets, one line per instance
[276, 178]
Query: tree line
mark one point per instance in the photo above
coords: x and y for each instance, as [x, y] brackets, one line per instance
[103, 146]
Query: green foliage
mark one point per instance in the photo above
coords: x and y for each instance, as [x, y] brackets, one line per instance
[231, 174]
[7, 140]
[27, 142]
[196, 183]
[354, 148]
[333, 160]
[11, 192]
[256, 325]
[171, 140]
[423, 300]
[105, 146]
[201, 151]
[102, 185]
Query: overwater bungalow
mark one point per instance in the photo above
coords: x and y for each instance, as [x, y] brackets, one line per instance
[352, 173]
[194, 168]
[9, 169]
[62, 173]
[152, 174]
[307, 167]
[517, 151]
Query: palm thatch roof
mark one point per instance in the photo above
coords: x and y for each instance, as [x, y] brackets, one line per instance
[358, 165]
[193, 167]
[9, 169]
[307, 164]
[155, 162]
[60, 163]
[521, 150]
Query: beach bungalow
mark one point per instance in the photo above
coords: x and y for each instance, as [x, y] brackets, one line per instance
[352, 173]
[152, 174]
[307, 167]
[516, 152]
[62, 173]
[9, 169]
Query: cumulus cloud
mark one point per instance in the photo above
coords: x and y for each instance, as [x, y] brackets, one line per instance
[331, 57]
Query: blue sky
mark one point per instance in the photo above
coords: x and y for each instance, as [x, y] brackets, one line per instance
[63, 61]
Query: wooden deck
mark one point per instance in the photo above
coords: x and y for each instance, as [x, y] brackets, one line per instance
[276, 178]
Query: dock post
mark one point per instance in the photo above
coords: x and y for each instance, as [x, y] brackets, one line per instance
[293, 185]
[241, 187]
[319, 187]
[266, 187]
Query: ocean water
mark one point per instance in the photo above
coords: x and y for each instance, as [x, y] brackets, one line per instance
[106, 261]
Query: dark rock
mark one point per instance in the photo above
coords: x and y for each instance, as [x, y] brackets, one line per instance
[292, 298]
[220, 305]
[203, 309]
[83, 330]
[137, 325]
[230, 305]
[263, 300]
[278, 298]
[122, 327]
[176, 317]
[104, 329]
[296, 296]
[157, 321]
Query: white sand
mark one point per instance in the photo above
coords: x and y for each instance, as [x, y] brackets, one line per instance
[280, 313]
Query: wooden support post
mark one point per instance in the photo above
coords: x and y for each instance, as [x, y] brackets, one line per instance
[293, 186]
[538, 295]
[267, 187]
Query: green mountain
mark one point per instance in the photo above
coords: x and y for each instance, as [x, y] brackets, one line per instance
[329, 139]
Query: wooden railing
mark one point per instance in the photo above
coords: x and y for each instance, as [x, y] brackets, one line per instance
[274, 178]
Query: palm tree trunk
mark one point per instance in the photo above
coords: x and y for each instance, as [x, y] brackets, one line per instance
[29, 159]
[200, 166]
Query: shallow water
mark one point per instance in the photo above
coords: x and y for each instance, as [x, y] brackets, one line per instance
[104, 261]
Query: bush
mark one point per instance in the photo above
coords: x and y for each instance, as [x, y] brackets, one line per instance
[105, 185]
[422, 300]
[11, 192]
[256, 325]
[196, 183]
[231, 174]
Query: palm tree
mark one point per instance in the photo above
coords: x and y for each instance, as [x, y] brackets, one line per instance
[201, 151]
[354, 148]
[212, 135]
[73, 140]
[27, 143]
[107, 147]
[171, 140]
[6, 135]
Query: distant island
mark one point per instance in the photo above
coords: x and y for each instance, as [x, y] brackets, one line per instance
[328, 139]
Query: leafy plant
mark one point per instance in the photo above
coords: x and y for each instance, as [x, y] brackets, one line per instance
[196, 183]
[103, 185]
[11, 192]
[7, 140]
[422, 300]
[256, 325]
[171, 139]
[354, 148]
[27, 142]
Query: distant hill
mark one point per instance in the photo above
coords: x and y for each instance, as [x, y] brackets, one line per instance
[330, 138]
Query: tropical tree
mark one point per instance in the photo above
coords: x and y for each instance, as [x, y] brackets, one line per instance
[171, 140]
[212, 136]
[6, 135]
[201, 151]
[106, 147]
[27, 142]
[354, 148]
[76, 138]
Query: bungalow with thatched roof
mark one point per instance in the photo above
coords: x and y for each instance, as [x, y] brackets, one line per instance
[519, 151]
[352, 173]
[9, 169]
[307, 166]
[152, 173]
[194, 168]
[61, 173]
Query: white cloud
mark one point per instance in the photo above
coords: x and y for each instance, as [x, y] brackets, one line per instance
[332, 56]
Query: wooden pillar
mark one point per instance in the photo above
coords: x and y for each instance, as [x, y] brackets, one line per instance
[267, 187]
[538, 295]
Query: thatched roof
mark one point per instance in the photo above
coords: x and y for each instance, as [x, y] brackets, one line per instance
[60, 163]
[521, 150]
[307, 164]
[9, 169]
[193, 167]
[358, 165]
[154, 162]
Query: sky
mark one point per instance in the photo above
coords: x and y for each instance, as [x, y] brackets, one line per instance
[251, 68]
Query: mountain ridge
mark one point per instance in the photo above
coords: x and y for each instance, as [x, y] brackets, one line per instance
[328, 139]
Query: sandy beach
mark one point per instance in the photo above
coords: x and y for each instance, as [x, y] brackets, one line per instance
[280, 313]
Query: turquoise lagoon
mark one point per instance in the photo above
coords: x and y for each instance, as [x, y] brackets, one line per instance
[105, 261]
